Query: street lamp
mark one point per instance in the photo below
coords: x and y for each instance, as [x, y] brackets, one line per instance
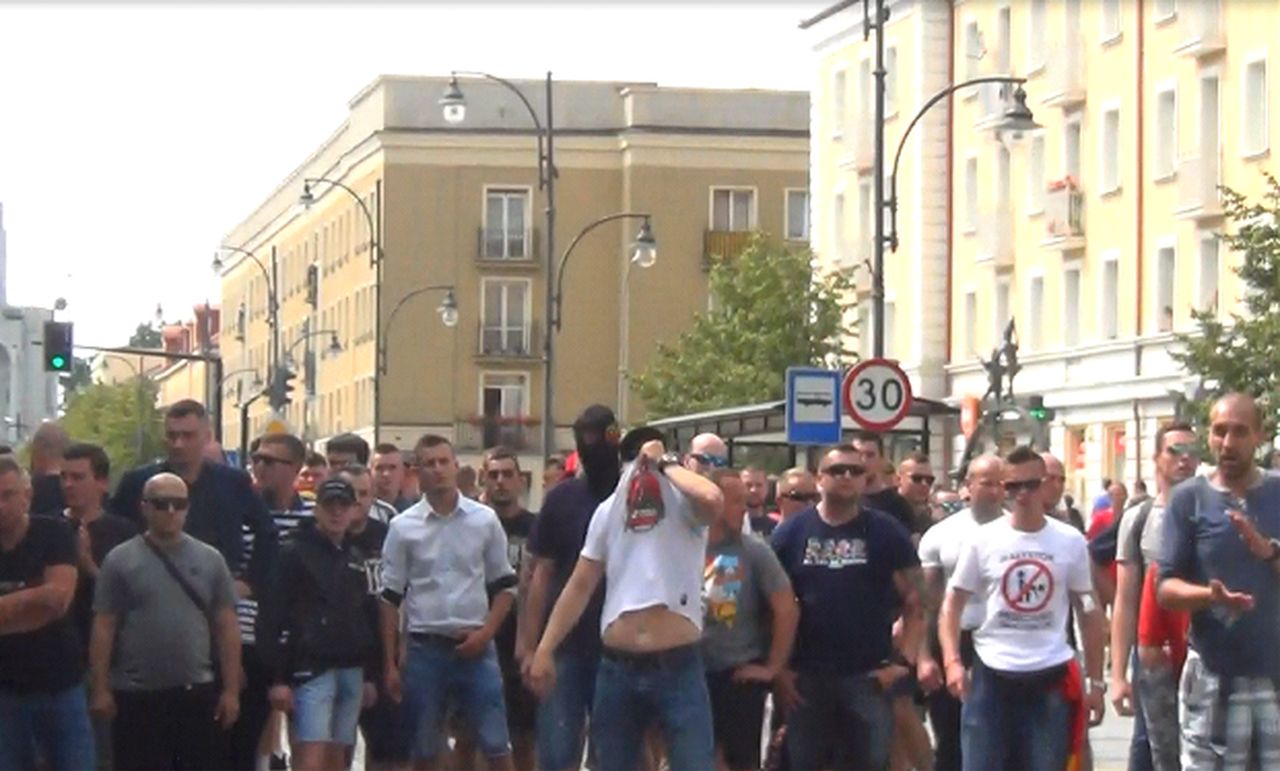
[448, 310]
[255, 384]
[334, 348]
[454, 109]
[273, 306]
[644, 254]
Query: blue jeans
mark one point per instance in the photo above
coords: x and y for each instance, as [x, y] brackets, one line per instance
[632, 692]
[326, 708]
[1011, 724]
[57, 724]
[1139, 745]
[433, 673]
[844, 722]
[562, 716]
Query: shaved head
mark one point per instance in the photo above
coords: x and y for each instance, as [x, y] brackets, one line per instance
[709, 444]
[985, 464]
[165, 484]
[1242, 406]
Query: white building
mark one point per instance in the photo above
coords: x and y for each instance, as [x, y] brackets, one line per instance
[28, 394]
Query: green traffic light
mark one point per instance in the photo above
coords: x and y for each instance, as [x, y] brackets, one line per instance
[1039, 414]
[58, 361]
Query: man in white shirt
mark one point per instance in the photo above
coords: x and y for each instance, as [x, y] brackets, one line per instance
[1021, 708]
[939, 552]
[649, 541]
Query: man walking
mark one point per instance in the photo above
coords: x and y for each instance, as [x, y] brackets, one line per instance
[1022, 700]
[1056, 503]
[388, 476]
[881, 494]
[443, 558]
[164, 600]
[757, 486]
[797, 491]
[1219, 561]
[48, 444]
[915, 485]
[838, 712]
[42, 701]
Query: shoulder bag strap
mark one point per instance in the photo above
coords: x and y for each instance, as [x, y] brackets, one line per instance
[173, 571]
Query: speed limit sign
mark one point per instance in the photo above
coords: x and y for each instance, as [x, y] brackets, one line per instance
[877, 394]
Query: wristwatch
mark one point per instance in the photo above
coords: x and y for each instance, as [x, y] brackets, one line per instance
[668, 459]
[1097, 685]
[1275, 550]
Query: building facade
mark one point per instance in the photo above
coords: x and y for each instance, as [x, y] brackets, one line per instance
[460, 206]
[28, 394]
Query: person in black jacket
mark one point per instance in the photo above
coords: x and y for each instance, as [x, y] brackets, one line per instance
[318, 633]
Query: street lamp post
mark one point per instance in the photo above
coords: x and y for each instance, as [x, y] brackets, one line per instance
[454, 104]
[273, 305]
[448, 310]
[624, 325]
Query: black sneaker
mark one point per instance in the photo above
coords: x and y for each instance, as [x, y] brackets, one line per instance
[279, 763]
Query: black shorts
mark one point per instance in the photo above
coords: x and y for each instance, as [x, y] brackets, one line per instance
[737, 713]
[522, 705]
[386, 738]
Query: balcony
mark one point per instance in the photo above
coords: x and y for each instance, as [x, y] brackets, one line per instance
[1064, 86]
[1064, 216]
[1198, 196]
[995, 244]
[481, 432]
[724, 245]
[494, 341]
[507, 247]
[1200, 29]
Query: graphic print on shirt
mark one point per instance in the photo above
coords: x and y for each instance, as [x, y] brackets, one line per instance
[722, 583]
[644, 502]
[835, 552]
[1027, 586]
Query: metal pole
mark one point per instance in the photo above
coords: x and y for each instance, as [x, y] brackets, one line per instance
[275, 308]
[624, 328]
[877, 277]
[547, 174]
[377, 313]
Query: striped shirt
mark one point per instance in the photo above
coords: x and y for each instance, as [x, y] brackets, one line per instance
[286, 521]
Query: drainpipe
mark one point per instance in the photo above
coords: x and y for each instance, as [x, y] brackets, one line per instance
[1140, 248]
[950, 206]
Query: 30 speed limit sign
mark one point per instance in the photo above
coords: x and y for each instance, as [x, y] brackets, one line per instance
[877, 394]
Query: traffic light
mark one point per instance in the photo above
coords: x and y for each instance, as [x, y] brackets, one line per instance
[280, 393]
[57, 346]
[1037, 411]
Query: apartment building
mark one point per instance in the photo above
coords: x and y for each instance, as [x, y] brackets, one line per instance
[459, 206]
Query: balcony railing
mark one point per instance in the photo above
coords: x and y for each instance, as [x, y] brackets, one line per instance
[1064, 215]
[496, 341]
[1200, 29]
[724, 245]
[497, 244]
[996, 243]
[1198, 187]
[1065, 83]
[481, 433]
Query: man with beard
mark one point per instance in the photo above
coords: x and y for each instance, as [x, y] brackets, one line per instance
[554, 545]
[939, 551]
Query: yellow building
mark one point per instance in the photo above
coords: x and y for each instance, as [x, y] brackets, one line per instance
[459, 205]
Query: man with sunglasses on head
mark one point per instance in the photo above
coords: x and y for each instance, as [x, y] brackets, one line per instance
[853, 569]
[1023, 700]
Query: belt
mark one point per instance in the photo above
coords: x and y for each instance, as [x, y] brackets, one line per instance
[665, 659]
[435, 638]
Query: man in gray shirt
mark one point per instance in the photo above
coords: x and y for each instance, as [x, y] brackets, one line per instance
[161, 597]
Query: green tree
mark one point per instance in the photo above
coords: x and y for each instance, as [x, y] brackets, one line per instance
[770, 310]
[122, 418]
[81, 375]
[146, 336]
[1240, 353]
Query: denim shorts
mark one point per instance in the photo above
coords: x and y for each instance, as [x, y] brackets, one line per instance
[434, 672]
[326, 708]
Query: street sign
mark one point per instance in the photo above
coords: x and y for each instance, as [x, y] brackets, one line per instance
[813, 405]
[877, 394]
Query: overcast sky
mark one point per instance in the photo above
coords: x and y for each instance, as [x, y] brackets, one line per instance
[133, 136]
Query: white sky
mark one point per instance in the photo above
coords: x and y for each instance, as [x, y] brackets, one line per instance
[132, 137]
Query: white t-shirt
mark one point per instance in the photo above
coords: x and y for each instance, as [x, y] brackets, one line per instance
[1025, 581]
[940, 548]
[646, 563]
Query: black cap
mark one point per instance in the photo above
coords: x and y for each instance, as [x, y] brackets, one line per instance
[336, 490]
[637, 438]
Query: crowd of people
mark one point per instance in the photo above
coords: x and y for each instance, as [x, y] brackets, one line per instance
[661, 610]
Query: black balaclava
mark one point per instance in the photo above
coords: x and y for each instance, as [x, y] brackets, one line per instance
[598, 456]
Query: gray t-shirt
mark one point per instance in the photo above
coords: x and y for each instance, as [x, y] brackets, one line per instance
[1134, 546]
[740, 574]
[162, 639]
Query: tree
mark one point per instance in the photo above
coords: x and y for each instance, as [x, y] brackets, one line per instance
[770, 310]
[120, 417]
[146, 336]
[81, 375]
[1240, 354]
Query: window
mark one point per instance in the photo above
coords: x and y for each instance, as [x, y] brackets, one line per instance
[506, 316]
[1035, 175]
[1165, 9]
[838, 237]
[974, 50]
[1037, 23]
[1004, 40]
[971, 194]
[866, 92]
[1253, 139]
[1001, 316]
[1110, 150]
[505, 232]
[1110, 20]
[838, 107]
[504, 394]
[1166, 270]
[1071, 149]
[797, 215]
[891, 81]
[1003, 164]
[866, 215]
[732, 209]
[970, 323]
[1209, 273]
[1035, 312]
[1071, 307]
[1166, 156]
[1110, 299]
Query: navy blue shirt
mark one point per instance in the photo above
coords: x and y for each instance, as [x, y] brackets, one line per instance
[557, 535]
[843, 579]
[1200, 544]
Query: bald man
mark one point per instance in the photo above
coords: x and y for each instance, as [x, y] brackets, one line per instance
[161, 598]
[707, 452]
[1051, 493]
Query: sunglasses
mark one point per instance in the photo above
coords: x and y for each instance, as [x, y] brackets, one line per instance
[922, 479]
[1184, 448]
[844, 470]
[269, 460]
[707, 459]
[501, 473]
[168, 504]
[1022, 486]
[802, 497]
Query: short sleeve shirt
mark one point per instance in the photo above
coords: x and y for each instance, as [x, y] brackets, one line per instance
[940, 548]
[1140, 546]
[842, 576]
[557, 535]
[740, 575]
[50, 658]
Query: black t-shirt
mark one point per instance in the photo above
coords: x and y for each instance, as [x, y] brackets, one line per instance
[367, 546]
[517, 529]
[557, 535]
[891, 502]
[105, 533]
[46, 494]
[762, 525]
[51, 658]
